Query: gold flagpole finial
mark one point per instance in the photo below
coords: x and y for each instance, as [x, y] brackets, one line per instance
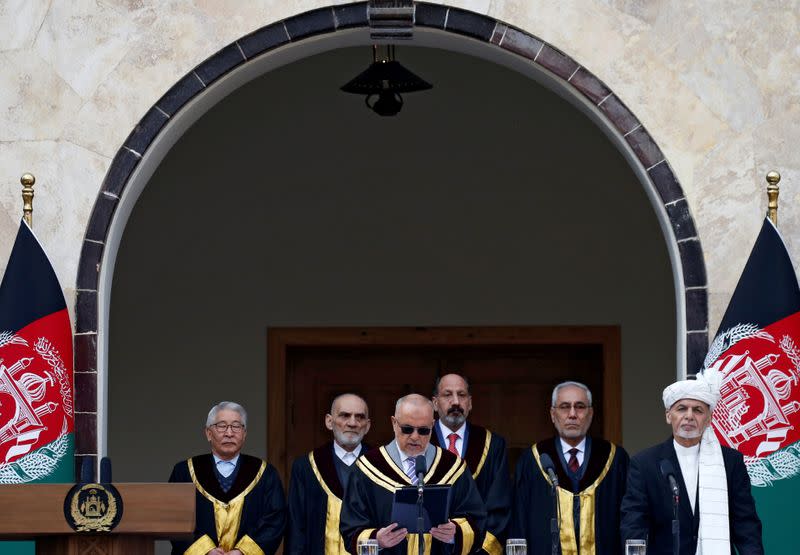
[773, 178]
[27, 181]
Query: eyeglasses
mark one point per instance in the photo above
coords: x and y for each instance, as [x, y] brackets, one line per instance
[408, 430]
[567, 407]
[222, 427]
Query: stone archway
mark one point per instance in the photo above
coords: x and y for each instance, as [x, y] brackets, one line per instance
[118, 192]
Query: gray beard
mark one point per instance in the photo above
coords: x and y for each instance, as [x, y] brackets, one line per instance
[454, 421]
[347, 441]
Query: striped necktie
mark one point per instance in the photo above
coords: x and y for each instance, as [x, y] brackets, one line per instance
[573, 461]
[411, 470]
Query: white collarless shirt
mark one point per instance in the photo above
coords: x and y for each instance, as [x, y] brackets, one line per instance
[347, 457]
[689, 460]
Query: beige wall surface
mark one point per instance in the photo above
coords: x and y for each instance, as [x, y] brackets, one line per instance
[714, 82]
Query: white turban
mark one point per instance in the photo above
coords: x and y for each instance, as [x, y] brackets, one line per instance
[713, 533]
[705, 388]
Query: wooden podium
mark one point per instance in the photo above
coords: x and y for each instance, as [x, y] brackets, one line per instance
[150, 512]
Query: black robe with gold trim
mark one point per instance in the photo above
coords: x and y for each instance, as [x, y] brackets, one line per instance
[368, 503]
[487, 461]
[599, 496]
[315, 501]
[250, 517]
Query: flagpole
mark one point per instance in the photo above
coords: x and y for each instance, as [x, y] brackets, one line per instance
[773, 178]
[27, 181]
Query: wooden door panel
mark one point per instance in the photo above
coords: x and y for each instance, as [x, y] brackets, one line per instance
[512, 372]
[380, 375]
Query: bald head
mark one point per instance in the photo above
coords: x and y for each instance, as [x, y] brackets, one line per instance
[348, 398]
[412, 423]
[348, 420]
[413, 401]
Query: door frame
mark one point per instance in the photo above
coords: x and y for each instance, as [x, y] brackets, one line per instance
[280, 339]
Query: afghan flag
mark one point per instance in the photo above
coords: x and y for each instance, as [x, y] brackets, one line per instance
[36, 397]
[757, 352]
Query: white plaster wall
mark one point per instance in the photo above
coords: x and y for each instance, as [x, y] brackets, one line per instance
[715, 82]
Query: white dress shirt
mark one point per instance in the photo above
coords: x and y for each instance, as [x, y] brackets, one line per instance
[347, 457]
[460, 433]
[225, 467]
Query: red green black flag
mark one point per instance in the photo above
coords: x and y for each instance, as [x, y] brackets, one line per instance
[36, 383]
[757, 352]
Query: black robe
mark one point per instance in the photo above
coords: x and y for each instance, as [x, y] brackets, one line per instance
[263, 506]
[599, 495]
[486, 459]
[315, 501]
[368, 502]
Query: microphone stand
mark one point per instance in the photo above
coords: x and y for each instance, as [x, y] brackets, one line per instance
[420, 514]
[555, 539]
[676, 529]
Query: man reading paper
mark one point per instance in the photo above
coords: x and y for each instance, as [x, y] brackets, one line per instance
[367, 507]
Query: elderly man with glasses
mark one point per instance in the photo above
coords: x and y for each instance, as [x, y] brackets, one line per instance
[367, 507]
[591, 476]
[240, 505]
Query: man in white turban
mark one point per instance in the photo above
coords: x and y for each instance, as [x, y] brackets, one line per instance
[715, 508]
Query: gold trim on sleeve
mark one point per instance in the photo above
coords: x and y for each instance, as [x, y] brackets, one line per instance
[413, 543]
[202, 546]
[491, 545]
[467, 534]
[249, 547]
[365, 534]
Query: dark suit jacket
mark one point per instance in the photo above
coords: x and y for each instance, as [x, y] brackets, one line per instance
[647, 505]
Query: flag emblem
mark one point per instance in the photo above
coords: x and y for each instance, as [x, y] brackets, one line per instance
[759, 410]
[757, 353]
[36, 395]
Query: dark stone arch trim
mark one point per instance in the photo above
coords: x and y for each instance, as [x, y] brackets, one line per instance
[330, 20]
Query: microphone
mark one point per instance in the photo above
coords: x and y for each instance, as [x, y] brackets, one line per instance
[105, 470]
[547, 464]
[668, 472]
[421, 467]
[87, 471]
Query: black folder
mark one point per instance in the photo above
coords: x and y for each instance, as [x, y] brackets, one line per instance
[435, 508]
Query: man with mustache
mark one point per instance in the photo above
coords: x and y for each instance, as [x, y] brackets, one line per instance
[716, 510]
[367, 506]
[240, 507]
[320, 478]
[482, 450]
[591, 476]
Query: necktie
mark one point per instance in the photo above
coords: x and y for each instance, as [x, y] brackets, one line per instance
[573, 461]
[412, 470]
[452, 447]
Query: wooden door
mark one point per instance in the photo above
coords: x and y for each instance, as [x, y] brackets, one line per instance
[512, 373]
